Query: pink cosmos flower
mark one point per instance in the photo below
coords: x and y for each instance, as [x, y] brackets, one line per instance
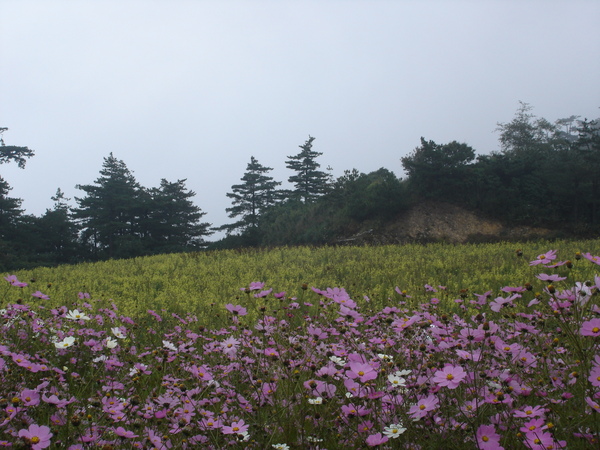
[40, 295]
[376, 439]
[594, 405]
[263, 294]
[364, 372]
[423, 406]
[54, 400]
[544, 258]
[30, 397]
[450, 376]
[230, 345]
[254, 286]
[589, 257]
[238, 427]
[210, 423]
[530, 411]
[236, 310]
[533, 426]
[543, 440]
[594, 377]
[552, 278]
[487, 438]
[497, 304]
[120, 431]
[37, 436]
[354, 410]
[590, 328]
[12, 279]
[270, 351]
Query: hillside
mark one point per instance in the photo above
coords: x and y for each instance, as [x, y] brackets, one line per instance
[439, 222]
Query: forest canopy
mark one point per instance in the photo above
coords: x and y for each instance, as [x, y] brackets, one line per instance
[545, 174]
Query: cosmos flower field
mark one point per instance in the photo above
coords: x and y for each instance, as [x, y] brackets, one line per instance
[324, 367]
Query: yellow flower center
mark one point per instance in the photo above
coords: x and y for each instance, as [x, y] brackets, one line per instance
[422, 407]
[35, 440]
[361, 373]
[485, 438]
[449, 377]
[595, 329]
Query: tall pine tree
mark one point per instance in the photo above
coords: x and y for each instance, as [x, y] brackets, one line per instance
[110, 213]
[173, 223]
[10, 208]
[309, 182]
[251, 198]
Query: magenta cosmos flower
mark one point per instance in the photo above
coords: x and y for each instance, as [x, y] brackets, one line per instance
[37, 436]
[590, 328]
[487, 438]
[450, 376]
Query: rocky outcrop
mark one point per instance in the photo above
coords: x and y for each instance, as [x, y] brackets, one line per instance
[439, 222]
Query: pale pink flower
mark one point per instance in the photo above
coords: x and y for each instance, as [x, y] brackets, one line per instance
[450, 376]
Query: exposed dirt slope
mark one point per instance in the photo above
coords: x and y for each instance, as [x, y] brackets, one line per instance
[432, 221]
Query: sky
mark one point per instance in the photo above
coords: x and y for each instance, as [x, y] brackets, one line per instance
[182, 89]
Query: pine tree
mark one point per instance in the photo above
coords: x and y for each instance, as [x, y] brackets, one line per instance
[251, 198]
[174, 221]
[11, 213]
[60, 232]
[110, 213]
[309, 182]
[13, 153]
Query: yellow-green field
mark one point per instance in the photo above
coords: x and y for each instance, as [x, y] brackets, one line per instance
[191, 282]
[204, 351]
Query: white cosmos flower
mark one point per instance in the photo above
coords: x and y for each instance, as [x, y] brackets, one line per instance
[337, 360]
[169, 345]
[118, 333]
[397, 381]
[315, 401]
[77, 315]
[394, 430]
[110, 342]
[66, 342]
[281, 446]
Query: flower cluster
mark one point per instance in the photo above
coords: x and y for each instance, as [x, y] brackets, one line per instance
[511, 369]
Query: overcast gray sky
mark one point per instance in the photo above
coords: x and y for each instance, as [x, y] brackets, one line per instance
[192, 89]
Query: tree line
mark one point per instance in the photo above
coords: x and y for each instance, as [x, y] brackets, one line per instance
[545, 174]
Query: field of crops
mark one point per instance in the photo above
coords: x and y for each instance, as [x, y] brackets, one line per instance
[421, 346]
[191, 282]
